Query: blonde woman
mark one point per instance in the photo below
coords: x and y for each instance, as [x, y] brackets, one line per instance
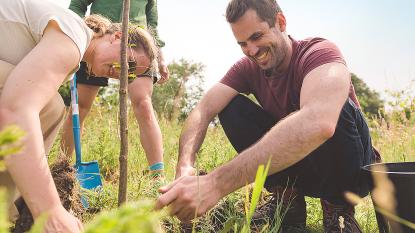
[41, 47]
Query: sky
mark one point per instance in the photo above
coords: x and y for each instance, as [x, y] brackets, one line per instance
[377, 38]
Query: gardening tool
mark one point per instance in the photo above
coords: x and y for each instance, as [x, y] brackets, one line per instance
[87, 173]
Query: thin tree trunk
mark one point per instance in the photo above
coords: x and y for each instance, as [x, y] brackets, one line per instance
[122, 190]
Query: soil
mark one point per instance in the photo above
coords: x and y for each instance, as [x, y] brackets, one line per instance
[63, 174]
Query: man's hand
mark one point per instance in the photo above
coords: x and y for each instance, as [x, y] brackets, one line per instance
[185, 171]
[59, 220]
[189, 196]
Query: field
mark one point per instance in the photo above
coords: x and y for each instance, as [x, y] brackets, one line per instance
[395, 141]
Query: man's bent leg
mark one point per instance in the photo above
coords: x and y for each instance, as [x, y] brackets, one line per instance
[334, 168]
[333, 208]
[244, 123]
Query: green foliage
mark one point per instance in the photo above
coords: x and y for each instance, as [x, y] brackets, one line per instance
[163, 95]
[108, 96]
[129, 218]
[178, 96]
[369, 99]
[402, 104]
[65, 92]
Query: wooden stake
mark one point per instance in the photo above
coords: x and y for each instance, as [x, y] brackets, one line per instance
[122, 190]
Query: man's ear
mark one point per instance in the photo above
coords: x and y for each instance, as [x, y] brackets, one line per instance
[281, 21]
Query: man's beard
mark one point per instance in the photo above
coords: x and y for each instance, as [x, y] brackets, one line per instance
[277, 63]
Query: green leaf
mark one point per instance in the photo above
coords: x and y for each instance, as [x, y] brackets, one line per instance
[260, 178]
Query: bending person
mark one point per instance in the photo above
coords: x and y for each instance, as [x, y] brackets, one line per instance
[143, 13]
[42, 47]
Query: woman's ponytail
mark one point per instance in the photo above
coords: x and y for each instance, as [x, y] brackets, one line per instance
[98, 24]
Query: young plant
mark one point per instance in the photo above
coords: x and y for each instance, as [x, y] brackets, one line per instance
[260, 178]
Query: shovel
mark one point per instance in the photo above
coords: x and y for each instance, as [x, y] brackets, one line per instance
[87, 173]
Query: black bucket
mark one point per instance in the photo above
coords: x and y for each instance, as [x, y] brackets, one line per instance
[402, 176]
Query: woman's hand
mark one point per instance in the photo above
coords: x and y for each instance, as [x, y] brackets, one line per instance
[59, 220]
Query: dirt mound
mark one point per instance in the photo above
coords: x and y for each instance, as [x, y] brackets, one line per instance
[68, 189]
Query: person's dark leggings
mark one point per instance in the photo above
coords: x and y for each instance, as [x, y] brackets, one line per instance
[328, 171]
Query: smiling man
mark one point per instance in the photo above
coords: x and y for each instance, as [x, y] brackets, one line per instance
[308, 123]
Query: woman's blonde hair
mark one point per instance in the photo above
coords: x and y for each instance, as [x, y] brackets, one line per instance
[137, 36]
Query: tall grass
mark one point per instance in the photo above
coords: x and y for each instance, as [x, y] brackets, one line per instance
[100, 141]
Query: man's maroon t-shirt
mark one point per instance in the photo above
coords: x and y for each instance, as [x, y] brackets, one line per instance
[280, 95]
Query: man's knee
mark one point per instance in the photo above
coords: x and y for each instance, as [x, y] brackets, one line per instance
[233, 109]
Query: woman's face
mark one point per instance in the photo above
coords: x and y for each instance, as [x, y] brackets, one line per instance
[106, 57]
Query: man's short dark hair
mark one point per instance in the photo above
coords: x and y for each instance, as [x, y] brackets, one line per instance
[265, 10]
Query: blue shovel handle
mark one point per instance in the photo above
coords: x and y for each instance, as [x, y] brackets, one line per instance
[75, 121]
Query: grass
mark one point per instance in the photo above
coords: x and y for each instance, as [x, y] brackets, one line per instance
[100, 141]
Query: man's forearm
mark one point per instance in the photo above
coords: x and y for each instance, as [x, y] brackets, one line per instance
[191, 138]
[285, 144]
[195, 127]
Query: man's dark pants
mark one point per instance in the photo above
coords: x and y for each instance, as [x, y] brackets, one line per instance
[328, 171]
